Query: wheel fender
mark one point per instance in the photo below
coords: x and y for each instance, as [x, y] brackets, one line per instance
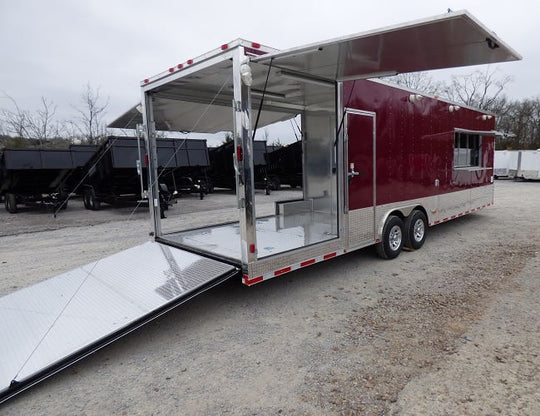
[403, 212]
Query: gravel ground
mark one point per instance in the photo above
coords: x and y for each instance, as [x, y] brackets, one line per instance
[451, 329]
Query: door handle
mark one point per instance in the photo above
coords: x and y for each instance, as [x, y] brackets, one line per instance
[352, 172]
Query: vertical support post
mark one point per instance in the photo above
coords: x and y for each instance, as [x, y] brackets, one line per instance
[243, 156]
[150, 140]
[140, 133]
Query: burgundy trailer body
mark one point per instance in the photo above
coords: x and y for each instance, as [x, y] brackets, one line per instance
[414, 154]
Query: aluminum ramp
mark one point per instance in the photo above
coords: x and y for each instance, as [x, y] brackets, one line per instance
[49, 326]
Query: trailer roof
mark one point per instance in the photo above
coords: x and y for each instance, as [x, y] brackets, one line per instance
[197, 97]
[450, 40]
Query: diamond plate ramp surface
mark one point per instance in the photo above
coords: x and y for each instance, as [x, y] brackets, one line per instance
[48, 326]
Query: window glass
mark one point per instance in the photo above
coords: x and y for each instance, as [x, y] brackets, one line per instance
[467, 150]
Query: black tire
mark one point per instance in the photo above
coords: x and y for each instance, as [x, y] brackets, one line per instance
[415, 230]
[90, 200]
[274, 184]
[392, 238]
[11, 203]
[86, 199]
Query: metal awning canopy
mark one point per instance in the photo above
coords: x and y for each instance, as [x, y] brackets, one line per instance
[450, 40]
[201, 100]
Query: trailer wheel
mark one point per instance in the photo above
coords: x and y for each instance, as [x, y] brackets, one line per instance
[392, 238]
[90, 200]
[415, 230]
[11, 203]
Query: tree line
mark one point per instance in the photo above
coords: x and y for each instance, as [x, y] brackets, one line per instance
[20, 127]
[517, 121]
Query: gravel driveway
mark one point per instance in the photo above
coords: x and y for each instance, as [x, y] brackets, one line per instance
[451, 329]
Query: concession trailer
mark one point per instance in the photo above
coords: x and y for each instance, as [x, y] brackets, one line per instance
[380, 165]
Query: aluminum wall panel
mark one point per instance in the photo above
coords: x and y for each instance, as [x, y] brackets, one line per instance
[361, 226]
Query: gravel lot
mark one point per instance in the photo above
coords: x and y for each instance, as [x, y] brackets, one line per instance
[451, 329]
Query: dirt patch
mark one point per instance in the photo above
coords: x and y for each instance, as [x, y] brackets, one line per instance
[406, 334]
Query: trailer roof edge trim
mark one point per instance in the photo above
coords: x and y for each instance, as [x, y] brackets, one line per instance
[450, 40]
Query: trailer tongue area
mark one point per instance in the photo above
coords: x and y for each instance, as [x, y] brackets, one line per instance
[49, 326]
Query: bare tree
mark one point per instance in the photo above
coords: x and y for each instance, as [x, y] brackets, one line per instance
[521, 125]
[419, 81]
[16, 121]
[91, 114]
[480, 89]
[41, 124]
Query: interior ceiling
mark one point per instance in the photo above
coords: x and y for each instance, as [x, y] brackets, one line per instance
[202, 102]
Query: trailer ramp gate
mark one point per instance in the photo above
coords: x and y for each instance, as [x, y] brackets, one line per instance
[49, 326]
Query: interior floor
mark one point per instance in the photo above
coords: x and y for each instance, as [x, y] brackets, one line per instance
[275, 234]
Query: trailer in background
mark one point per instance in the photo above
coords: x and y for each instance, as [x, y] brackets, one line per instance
[285, 165]
[506, 164]
[80, 155]
[117, 171]
[222, 173]
[529, 164]
[35, 177]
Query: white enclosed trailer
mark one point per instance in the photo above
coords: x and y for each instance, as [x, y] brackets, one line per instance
[48, 326]
[506, 163]
[529, 164]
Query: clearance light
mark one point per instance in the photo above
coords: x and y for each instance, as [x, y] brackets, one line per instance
[255, 45]
[224, 47]
[453, 108]
[190, 61]
[180, 66]
[245, 74]
[415, 97]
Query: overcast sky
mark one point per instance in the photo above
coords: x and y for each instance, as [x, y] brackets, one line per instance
[54, 48]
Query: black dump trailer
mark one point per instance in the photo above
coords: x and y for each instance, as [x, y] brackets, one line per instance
[35, 177]
[222, 172]
[80, 155]
[285, 165]
[117, 171]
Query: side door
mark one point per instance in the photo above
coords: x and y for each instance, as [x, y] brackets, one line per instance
[361, 193]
